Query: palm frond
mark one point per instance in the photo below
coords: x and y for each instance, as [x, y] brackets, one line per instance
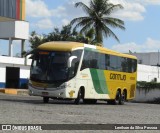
[108, 32]
[111, 8]
[82, 21]
[86, 27]
[84, 7]
[114, 22]
[77, 20]
[98, 18]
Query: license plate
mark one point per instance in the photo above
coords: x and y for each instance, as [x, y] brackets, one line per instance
[45, 93]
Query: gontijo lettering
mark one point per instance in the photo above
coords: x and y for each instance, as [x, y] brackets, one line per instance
[114, 76]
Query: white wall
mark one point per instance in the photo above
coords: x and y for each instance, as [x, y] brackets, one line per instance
[14, 29]
[14, 60]
[2, 74]
[21, 30]
[24, 73]
[147, 73]
[143, 96]
[152, 58]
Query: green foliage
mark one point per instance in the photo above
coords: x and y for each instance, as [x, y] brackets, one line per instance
[148, 85]
[98, 18]
[35, 39]
[65, 34]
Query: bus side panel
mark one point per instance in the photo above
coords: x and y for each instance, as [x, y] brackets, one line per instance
[121, 80]
[96, 87]
[103, 84]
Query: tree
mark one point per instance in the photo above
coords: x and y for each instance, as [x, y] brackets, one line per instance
[98, 17]
[65, 34]
[36, 39]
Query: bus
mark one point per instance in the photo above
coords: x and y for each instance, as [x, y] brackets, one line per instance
[82, 72]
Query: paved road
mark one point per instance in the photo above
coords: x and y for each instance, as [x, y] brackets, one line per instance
[31, 110]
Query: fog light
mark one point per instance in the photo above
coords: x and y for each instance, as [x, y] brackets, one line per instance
[30, 92]
[61, 93]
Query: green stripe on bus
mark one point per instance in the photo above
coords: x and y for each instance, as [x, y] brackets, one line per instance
[99, 81]
[95, 80]
[102, 81]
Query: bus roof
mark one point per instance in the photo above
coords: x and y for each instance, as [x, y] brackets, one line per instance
[60, 46]
[69, 46]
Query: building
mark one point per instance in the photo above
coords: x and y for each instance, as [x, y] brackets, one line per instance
[148, 66]
[151, 58]
[14, 72]
[148, 73]
[11, 10]
[12, 23]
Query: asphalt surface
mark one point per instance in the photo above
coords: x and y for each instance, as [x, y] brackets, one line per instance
[16, 109]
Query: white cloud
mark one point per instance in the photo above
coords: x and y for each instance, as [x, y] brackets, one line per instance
[65, 21]
[150, 45]
[149, 2]
[133, 11]
[37, 8]
[45, 24]
[59, 12]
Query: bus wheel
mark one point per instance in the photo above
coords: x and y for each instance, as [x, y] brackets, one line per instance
[116, 100]
[79, 97]
[45, 99]
[123, 98]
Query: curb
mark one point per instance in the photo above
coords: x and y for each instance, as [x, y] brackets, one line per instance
[14, 91]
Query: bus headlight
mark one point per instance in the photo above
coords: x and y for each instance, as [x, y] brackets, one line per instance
[65, 85]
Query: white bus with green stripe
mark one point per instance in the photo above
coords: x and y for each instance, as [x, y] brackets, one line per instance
[81, 72]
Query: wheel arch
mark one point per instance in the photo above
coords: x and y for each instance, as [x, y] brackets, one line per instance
[82, 88]
[125, 91]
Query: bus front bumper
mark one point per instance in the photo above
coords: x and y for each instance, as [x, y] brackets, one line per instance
[56, 93]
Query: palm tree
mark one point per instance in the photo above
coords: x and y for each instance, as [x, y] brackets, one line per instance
[98, 17]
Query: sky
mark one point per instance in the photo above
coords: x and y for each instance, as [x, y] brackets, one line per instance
[141, 17]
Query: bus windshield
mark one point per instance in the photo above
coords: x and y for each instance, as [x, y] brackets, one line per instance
[50, 66]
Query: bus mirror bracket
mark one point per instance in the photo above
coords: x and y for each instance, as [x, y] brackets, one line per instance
[70, 60]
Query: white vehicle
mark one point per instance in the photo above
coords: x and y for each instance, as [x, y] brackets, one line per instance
[71, 70]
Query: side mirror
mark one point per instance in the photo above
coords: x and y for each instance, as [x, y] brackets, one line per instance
[70, 60]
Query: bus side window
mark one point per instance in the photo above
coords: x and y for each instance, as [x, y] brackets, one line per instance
[113, 62]
[124, 64]
[134, 65]
[129, 63]
[85, 62]
[101, 61]
[107, 62]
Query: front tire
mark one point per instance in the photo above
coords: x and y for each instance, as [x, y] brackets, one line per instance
[79, 97]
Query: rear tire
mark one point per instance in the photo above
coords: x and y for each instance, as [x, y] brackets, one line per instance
[117, 99]
[123, 98]
[45, 99]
